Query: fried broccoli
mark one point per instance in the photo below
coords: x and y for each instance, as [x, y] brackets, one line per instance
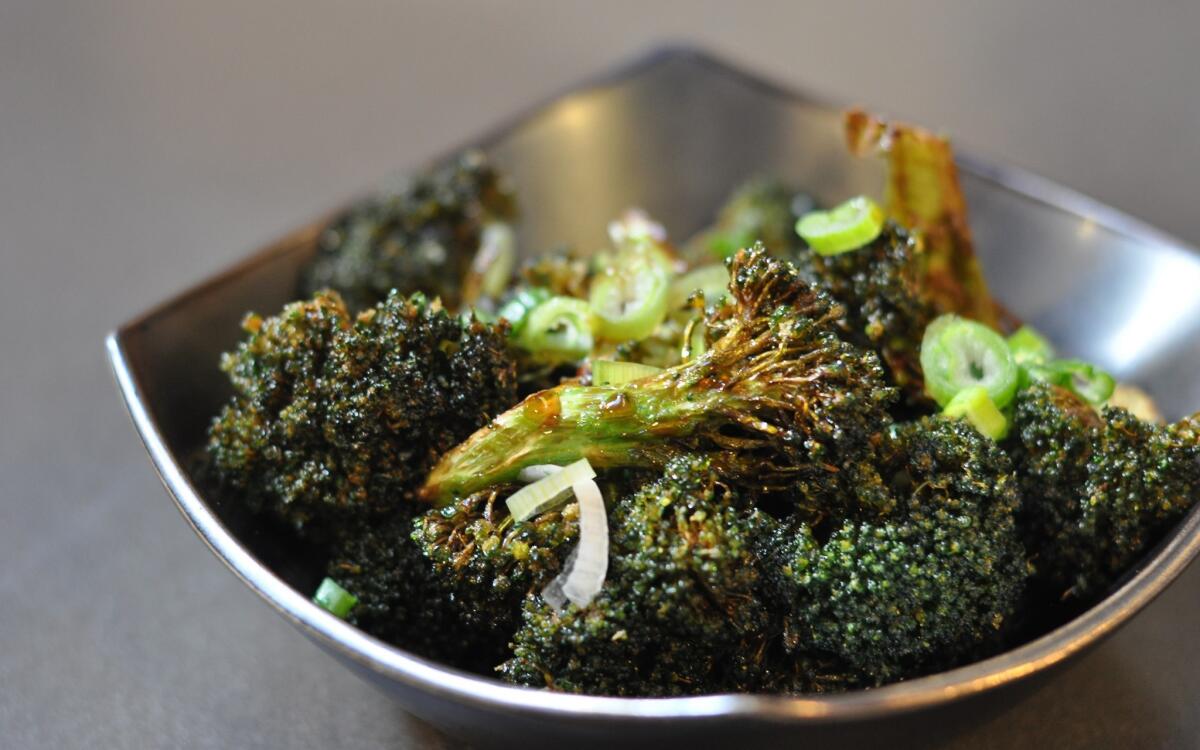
[487, 562]
[759, 210]
[777, 401]
[1098, 488]
[421, 236]
[335, 416]
[678, 601]
[887, 307]
[918, 583]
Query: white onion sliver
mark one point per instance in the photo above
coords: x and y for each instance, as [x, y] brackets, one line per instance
[583, 575]
[549, 491]
[537, 472]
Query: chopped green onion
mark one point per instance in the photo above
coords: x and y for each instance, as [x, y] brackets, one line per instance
[494, 261]
[609, 372]
[695, 340]
[976, 406]
[334, 598]
[1081, 378]
[725, 244]
[712, 280]
[558, 329]
[847, 227]
[630, 300]
[957, 353]
[548, 491]
[1030, 347]
[516, 310]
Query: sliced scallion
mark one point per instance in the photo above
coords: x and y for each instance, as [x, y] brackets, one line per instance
[712, 280]
[609, 372]
[1030, 347]
[558, 329]
[847, 227]
[549, 491]
[1081, 378]
[332, 597]
[516, 310]
[629, 300]
[957, 353]
[976, 406]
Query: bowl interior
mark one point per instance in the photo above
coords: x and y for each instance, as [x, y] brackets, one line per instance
[674, 136]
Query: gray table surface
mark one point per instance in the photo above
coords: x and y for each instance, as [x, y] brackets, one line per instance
[144, 145]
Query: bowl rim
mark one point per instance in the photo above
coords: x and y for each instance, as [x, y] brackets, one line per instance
[1154, 574]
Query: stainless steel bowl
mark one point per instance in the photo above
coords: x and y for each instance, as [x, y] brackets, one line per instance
[672, 133]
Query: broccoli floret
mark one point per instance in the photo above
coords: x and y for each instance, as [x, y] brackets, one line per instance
[1098, 489]
[887, 306]
[678, 600]
[335, 416]
[777, 401]
[916, 584]
[759, 210]
[487, 562]
[421, 236]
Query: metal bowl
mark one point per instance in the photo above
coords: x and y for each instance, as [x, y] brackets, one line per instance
[673, 133]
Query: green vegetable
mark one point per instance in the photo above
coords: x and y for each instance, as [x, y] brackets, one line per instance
[548, 491]
[887, 308]
[957, 353]
[712, 281]
[335, 417]
[976, 406]
[1030, 347]
[1099, 489]
[929, 577]
[332, 597]
[679, 600]
[518, 306]
[847, 227]
[629, 300]
[421, 236]
[759, 210]
[609, 372]
[1081, 378]
[777, 401]
[558, 329]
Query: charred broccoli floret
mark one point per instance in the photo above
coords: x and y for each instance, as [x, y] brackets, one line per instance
[1098, 489]
[759, 210]
[887, 307]
[679, 598]
[421, 236]
[335, 416]
[919, 583]
[777, 401]
[487, 562]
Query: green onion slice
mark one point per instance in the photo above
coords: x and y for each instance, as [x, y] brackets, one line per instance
[495, 259]
[630, 300]
[842, 229]
[610, 372]
[1030, 347]
[549, 491]
[559, 328]
[1081, 378]
[976, 406]
[712, 280]
[957, 354]
[516, 310]
[332, 597]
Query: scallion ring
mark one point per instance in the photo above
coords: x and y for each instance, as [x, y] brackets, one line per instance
[847, 227]
[957, 354]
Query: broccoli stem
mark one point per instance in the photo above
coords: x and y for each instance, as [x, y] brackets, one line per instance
[607, 425]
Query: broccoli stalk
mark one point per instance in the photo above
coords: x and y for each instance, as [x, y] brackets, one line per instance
[777, 401]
